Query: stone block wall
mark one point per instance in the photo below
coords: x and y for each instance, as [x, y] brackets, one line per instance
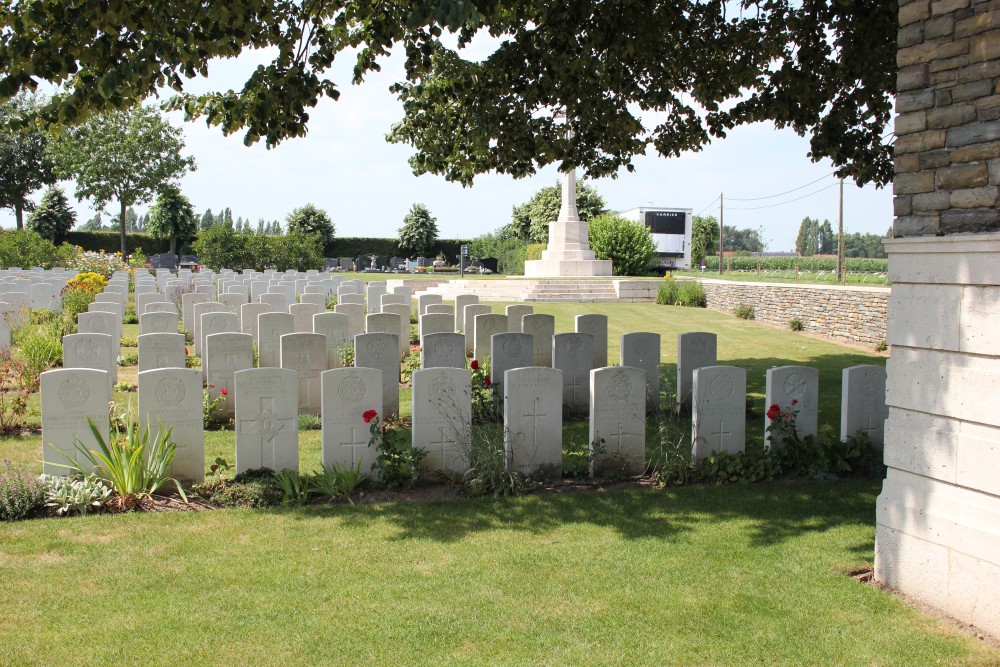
[938, 516]
[947, 153]
[854, 315]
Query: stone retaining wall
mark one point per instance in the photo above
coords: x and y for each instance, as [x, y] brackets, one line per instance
[850, 314]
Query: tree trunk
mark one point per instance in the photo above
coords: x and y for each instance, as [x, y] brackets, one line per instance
[173, 245]
[19, 214]
[121, 224]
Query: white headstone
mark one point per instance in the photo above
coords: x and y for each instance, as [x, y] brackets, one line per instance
[161, 350]
[862, 403]
[225, 355]
[441, 309]
[171, 398]
[248, 317]
[718, 410]
[794, 388]
[694, 350]
[443, 350]
[573, 354]
[158, 323]
[149, 297]
[532, 416]
[197, 311]
[378, 350]
[407, 295]
[216, 323]
[336, 327]
[461, 301]
[471, 312]
[302, 316]
[391, 300]
[425, 300]
[306, 354]
[356, 314]
[596, 326]
[442, 417]
[642, 350]
[347, 394]
[508, 351]
[232, 301]
[277, 300]
[104, 323]
[541, 328]
[187, 304]
[374, 292]
[270, 328]
[404, 325]
[70, 396]
[267, 419]
[485, 326]
[618, 420]
[87, 350]
[316, 299]
[162, 307]
[351, 299]
[514, 314]
[432, 323]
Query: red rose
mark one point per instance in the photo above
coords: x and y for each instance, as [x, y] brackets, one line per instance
[486, 381]
[474, 365]
[211, 386]
[795, 401]
[223, 392]
[774, 412]
[369, 415]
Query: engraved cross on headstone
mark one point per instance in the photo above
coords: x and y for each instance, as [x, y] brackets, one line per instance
[722, 432]
[442, 445]
[354, 444]
[871, 428]
[308, 369]
[576, 385]
[267, 425]
[224, 376]
[622, 433]
[533, 416]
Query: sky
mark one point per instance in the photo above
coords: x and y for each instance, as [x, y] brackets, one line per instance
[345, 166]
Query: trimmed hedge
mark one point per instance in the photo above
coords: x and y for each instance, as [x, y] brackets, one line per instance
[746, 263]
[111, 242]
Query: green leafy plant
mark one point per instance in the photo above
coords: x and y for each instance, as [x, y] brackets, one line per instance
[744, 312]
[336, 481]
[398, 461]
[346, 353]
[40, 347]
[578, 458]
[134, 465]
[127, 387]
[211, 407]
[881, 346]
[295, 488]
[255, 488]
[75, 493]
[795, 324]
[15, 391]
[666, 295]
[127, 341]
[486, 403]
[129, 359]
[309, 422]
[21, 492]
[488, 472]
[130, 316]
[690, 293]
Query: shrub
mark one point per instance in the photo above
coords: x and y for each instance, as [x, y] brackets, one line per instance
[795, 324]
[690, 293]
[74, 302]
[510, 252]
[40, 347]
[88, 281]
[26, 249]
[338, 480]
[21, 492]
[744, 312]
[211, 406]
[397, 462]
[295, 488]
[102, 263]
[881, 346]
[486, 458]
[16, 386]
[667, 294]
[249, 489]
[75, 493]
[627, 243]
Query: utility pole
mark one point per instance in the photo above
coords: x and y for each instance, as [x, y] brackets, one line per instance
[721, 195]
[841, 278]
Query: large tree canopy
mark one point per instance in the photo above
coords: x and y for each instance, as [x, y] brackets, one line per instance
[826, 69]
[25, 164]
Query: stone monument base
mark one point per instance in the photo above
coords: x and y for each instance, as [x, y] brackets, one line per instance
[565, 268]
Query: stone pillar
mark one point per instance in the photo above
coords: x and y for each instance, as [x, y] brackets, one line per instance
[938, 517]
[568, 252]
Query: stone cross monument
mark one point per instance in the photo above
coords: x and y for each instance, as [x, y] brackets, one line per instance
[568, 252]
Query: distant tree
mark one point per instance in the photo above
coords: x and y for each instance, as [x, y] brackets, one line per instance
[704, 238]
[207, 219]
[806, 241]
[827, 241]
[131, 221]
[530, 220]
[864, 245]
[226, 218]
[25, 164]
[309, 219]
[173, 217]
[93, 225]
[53, 217]
[126, 155]
[743, 240]
[418, 233]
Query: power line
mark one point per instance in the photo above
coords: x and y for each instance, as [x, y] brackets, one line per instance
[707, 207]
[787, 192]
[754, 208]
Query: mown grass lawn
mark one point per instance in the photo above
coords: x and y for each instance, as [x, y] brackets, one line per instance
[694, 576]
